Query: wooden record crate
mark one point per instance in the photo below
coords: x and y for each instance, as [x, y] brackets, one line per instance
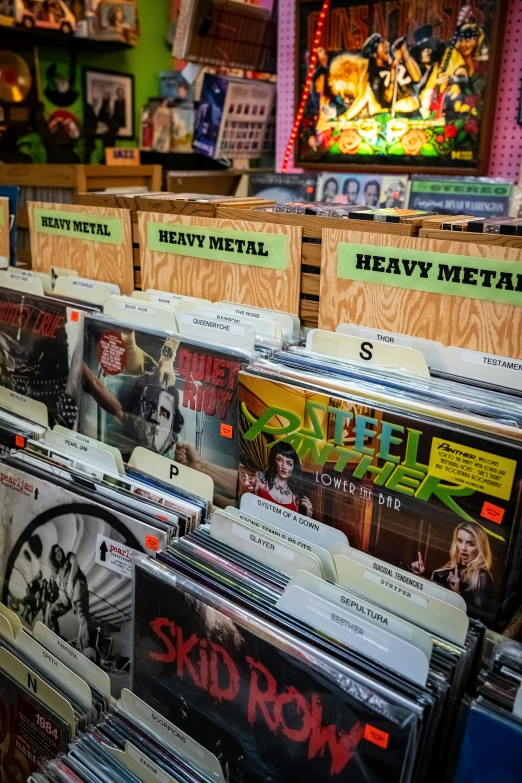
[311, 246]
[192, 204]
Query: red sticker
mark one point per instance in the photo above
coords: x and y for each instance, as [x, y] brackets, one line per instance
[493, 513]
[226, 430]
[75, 315]
[20, 441]
[151, 542]
[376, 736]
[112, 353]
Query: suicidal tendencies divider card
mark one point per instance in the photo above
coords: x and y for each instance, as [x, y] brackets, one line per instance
[169, 395]
[67, 562]
[38, 337]
[418, 494]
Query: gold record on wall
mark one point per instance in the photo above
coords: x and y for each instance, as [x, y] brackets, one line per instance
[15, 77]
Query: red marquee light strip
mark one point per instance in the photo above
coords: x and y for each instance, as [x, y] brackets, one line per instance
[308, 83]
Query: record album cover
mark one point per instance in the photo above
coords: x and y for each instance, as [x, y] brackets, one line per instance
[30, 732]
[173, 397]
[421, 495]
[38, 337]
[270, 707]
[67, 562]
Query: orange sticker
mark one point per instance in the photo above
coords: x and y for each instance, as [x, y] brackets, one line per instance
[376, 736]
[20, 441]
[493, 513]
[151, 542]
[75, 315]
[226, 430]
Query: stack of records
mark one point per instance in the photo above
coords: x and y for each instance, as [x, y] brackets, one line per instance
[424, 474]
[489, 745]
[135, 744]
[280, 656]
[48, 694]
[167, 393]
[71, 520]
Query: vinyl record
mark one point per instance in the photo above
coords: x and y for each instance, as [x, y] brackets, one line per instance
[15, 77]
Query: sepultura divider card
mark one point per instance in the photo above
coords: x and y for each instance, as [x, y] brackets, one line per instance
[38, 337]
[270, 706]
[417, 493]
[173, 396]
[66, 561]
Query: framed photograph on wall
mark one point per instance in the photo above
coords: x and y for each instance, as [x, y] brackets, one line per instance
[398, 86]
[109, 102]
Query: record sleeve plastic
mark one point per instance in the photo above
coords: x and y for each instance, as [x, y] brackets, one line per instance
[169, 395]
[434, 499]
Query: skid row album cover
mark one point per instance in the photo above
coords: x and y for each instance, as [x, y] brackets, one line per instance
[268, 705]
[396, 83]
[67, 562]
[440, 502]
[173, 397]
[38, 338]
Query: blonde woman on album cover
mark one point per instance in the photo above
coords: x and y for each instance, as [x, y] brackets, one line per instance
[468, 571]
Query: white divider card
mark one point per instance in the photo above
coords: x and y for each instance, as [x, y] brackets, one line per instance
[399, 575]
[139, 764]
[274, 530]
[496, 370]
[304, 527]
[263, 328]
[290, 324]
[179, 301]
[12, 618]
[116, 453]
[345, 346]
[74, 685]
[429, 348]
[436, 616]
[265, 548]
[92, 454]
[84, 290]
[6, 631]
[17, 274]
[202, 327]
[23, 406]
[95, 677]
[356, 633]
[170, 735]
[343, 599]
[32, 683]
[173, 473]
[19, 280]
[160, 317]
[4, 262]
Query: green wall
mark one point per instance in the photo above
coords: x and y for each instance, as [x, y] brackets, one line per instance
[150, 55]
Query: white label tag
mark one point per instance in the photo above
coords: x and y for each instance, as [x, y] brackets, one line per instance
[429, 348]
[173, 472]
[261, 326]
[171, 735]
[23, 406]
[487, 367]
[114, 555]
[116, 453]
[100, 458]
[389, 584]
[517, 706]
[202, 327]
[263, 541]
[345, 346]
[90, 291]
[140, 314]
[290, 324]
[356, 633]
[147, 764]
[22, 282]
[305, 527]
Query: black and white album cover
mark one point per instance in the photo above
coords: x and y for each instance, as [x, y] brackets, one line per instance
[67, 562]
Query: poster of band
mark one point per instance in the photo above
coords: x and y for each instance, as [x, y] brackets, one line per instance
[396, 83]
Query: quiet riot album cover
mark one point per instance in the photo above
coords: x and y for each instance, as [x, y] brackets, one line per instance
[396, 83]
[173, 397]
[418, 494]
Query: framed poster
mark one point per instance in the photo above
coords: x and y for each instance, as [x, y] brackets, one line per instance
[399, 85]
[109, 102]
